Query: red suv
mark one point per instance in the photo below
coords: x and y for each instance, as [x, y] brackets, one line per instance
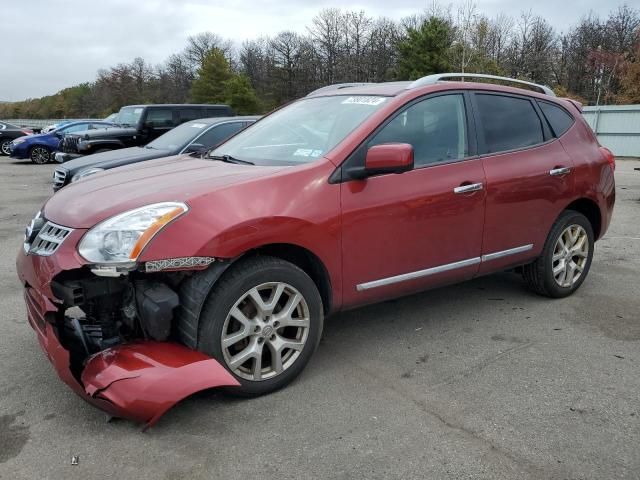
[150, 282]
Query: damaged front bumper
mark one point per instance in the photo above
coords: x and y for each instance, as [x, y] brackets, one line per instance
[138, 380]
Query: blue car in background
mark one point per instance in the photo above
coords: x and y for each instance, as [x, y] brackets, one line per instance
[40, 148]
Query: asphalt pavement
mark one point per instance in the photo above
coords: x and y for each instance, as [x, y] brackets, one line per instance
[478, 380]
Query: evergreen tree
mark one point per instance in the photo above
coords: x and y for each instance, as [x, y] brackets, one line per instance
[209, 86]
[240, 95]
[425, 49]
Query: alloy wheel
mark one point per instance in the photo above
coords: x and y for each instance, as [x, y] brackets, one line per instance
[39, 155]
[570, 255]
[265, 331]
[4, 146]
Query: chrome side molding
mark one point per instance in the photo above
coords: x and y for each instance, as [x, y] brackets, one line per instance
[441, 268]
[419, 274]
[506, 253]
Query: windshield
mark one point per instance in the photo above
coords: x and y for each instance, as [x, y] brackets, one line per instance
[128, 116]
[179, 137]
[302, 131]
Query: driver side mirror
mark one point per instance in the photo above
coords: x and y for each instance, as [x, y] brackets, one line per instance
[195, 148]
[385, 158]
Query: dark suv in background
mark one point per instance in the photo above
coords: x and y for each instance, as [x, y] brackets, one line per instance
[137, 125]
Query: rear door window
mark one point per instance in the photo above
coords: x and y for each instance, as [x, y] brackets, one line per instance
[557, 117]
[188, 114]
[159, 117]
[508, 123]
[217, 112]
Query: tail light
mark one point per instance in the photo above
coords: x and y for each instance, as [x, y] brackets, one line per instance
[611, 159]
[27, 132]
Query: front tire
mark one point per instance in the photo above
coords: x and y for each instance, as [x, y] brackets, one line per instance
[40, 155]
[4, 147]
[262, 321]
[566, 257]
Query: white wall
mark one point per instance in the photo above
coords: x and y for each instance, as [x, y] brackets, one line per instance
[617, 128]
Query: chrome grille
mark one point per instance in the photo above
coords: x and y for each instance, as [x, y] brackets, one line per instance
[59, 177]
[69, 144]
[47, 240]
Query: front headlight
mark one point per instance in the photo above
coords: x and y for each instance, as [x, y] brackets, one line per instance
[121, 239]
[19, 140]
[85, 173]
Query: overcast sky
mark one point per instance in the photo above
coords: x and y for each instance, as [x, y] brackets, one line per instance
[48, 45]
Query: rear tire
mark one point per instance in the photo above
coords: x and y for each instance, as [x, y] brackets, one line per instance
[566, 257]
[4, 147]
[262, 321]
[40, 155]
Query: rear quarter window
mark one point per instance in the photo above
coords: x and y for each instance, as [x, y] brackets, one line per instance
[558, 118]
[218, 112]
[508, 123]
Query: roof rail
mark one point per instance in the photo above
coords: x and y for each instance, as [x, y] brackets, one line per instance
[338, 86]
[431, 79]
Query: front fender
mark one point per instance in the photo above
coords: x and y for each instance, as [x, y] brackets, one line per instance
[193, 238]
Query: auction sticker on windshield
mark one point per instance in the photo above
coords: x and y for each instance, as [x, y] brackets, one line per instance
[361, 100]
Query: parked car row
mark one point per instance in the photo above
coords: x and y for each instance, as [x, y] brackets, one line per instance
[134, 125]
[218, 270]
[196, 137]
[39, 148]
[137, 125]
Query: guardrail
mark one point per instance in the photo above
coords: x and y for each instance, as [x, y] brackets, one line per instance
[31, 123]
[617, 127]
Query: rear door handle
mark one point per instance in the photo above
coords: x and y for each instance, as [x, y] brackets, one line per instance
[472, 187]
[558, 172]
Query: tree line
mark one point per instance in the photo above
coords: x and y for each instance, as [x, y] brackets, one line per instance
[596, 61]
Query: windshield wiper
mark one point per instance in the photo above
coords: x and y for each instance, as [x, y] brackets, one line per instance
[230, 159]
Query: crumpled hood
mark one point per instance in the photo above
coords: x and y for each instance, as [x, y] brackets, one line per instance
[113, 158]
[107, 133]
[178, 178]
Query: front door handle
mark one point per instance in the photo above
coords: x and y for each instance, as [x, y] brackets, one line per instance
[472, 187]
[559, 171]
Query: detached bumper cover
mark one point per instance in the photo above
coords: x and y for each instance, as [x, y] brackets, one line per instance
[138, 381]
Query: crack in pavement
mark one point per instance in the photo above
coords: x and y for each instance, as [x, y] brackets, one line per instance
[400, 391]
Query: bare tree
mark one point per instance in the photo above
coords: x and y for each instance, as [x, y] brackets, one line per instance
[326, 31]
[199, 45]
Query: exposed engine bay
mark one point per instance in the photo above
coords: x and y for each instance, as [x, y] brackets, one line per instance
[114, 342]
[114, 310]
[117, 309]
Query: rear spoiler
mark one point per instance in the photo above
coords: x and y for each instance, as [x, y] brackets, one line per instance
[575, 103]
